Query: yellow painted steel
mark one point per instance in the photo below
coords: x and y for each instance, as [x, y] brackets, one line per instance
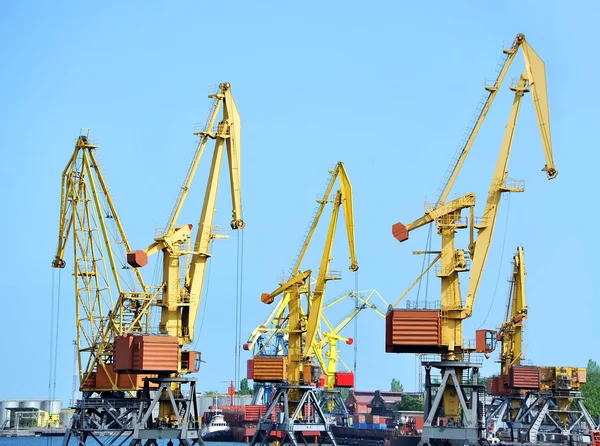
[89, 218]
[329, 339]
[557, 381]
[448, 217]
[181, 298]
[511, 332]
[302, 322]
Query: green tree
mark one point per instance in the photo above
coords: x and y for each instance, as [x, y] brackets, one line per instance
[591, 390]
[410, 403]
[396, 386]
[211, 393]
[245, 388]
[483, 380]
[344, 391]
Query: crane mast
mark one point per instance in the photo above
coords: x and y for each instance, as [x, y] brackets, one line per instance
[510, 334]
[440, 331]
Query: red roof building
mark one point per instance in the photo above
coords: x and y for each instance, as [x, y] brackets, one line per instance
[376, 402]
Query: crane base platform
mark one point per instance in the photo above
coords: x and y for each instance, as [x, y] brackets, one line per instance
[131, 420]
[552, 416]
[296, 412]
[469, 429]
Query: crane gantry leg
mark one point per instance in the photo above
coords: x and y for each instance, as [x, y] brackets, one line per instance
[459, 380]
[306, 418]
[130, 420]
[557, 416]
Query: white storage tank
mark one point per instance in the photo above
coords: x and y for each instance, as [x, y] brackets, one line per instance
[203, 403]
[243, 400]
[224, 400]
[5, 413]
[53, 407]
[30, 404]
[66, 415]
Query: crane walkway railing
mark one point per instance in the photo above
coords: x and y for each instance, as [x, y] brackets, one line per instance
[307, 232]
[489, 89]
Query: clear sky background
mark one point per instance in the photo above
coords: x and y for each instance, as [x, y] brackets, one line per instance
[386, 87]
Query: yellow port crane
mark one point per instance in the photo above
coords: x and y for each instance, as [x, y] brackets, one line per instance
[326, 345]
[297, 394]
[302, 323]
[440, 331]
[510, 334]
[180, 297]
[271, 337]
[88, 218]
[275, 328]
[124, 352]
[534, 402]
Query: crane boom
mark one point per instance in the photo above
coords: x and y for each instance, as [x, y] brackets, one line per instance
[228, 131]
[533, 64]
[498, 186]
[536, 76]
[194, 165]
[534, 80]
[343, 197]
[180, 302]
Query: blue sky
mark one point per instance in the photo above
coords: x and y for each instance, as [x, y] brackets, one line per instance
[386, 87]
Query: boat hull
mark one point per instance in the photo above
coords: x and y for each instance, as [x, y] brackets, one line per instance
[224, 435]
[352, 436]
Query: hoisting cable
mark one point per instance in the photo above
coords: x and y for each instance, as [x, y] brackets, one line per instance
[51, 356]
[426, 261]
[205, 295]
[355, 325]
[501, 262]
[54, 324]
[56, 328]
[238, 307]
[155, 316]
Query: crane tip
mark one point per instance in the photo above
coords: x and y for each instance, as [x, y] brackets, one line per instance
[551, 173]
[237, 224]
[58, 263]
